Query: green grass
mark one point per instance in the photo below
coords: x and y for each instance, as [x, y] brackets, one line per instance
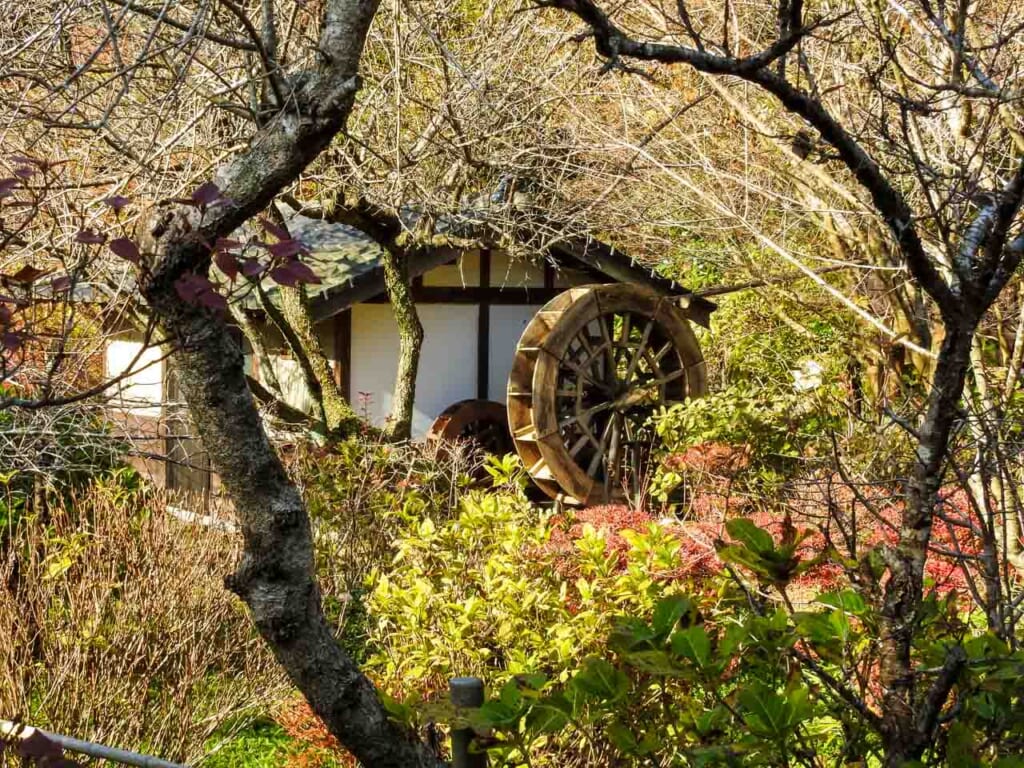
[263, 744]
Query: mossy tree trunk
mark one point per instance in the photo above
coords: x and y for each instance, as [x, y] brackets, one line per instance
[260, 352]
[335, 410]
[386, 229]
[410, 339]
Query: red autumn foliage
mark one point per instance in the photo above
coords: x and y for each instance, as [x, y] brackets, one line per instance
[321, 747]
[697, 557]
[711, 458]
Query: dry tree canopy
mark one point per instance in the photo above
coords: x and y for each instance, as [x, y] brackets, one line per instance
[490, 104]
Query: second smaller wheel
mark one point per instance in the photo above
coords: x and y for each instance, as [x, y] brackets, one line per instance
[484, 423]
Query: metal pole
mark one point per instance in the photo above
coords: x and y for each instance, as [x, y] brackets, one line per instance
[123, 756]
[466, 693]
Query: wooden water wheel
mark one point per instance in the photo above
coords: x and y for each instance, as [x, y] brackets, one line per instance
[590, 370]
[482, 422]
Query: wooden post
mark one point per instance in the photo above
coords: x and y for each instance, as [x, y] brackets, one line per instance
[483, 331]
[466, 693]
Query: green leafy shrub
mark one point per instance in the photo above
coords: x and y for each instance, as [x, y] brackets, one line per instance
[740, 434]
[503, 590]
[739, 680]
[359, 493]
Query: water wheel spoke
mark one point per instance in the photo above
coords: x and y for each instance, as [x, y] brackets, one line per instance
[668, 378]
[582, 442]
[613, 470]
[586, 341]
[583, 417]
[609, 350]
[598, 456]
[585, 375]
[663, 351]
[640, 349]
[627, 327]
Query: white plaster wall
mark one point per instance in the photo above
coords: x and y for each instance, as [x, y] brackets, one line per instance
[507, 324]
[141, 392]
[464, 273]
[447, 370]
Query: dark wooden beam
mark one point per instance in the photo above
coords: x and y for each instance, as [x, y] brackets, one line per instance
[483, 328]
[343, 351]
[371, 283]
[443, 294]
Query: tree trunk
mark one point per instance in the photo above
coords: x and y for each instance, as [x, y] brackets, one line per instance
[909, 718]
[410, 336]
[260, 353]
[275, 577]
[337, 413]
[298, 350]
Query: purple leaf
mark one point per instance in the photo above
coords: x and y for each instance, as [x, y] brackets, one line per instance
[126, 249]
[117, 202]
[196, 289]
[206, 194]
[90, 237]
[286, 249]
[25, 172]
[189, 286]
[212, 300]
[226, 263]
[7, 186]
[26, 275]
[273, 229]
[226, 244]
[60, 284]
[293, 273]
[24, 160]
[11, 341]
[284, 276]
[37, 746]
[304, 272]
[251, 267]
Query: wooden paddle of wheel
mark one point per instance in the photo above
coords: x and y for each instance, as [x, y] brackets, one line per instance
[590, 370]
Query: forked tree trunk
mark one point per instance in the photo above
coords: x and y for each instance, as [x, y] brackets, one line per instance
[910, 713]
[297, 349]
[260, 353]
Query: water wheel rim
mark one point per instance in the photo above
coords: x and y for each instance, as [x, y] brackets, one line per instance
[519, 396]
[655, 362]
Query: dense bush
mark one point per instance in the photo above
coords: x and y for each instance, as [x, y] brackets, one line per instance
[503, 590]
[359, 490]
[744, 680]
[609, 638]
[117, 627]
[753, 441]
